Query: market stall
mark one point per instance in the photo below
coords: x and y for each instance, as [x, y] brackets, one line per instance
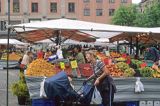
[13, 56]
[71, 29]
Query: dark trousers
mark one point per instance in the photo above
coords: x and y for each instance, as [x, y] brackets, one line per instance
[107, 93]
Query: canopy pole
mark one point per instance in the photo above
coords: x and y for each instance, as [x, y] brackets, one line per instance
[118, 46]
[60, 39]
[131, 45]
[7, 100]
[137, 48]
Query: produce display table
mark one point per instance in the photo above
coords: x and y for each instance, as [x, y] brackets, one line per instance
[33, 84]
[125, 88]
[12, 64]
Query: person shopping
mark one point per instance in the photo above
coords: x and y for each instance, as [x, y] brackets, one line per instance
[101, 79]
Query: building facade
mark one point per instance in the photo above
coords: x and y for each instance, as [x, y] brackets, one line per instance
[23, 11]
[146, 3]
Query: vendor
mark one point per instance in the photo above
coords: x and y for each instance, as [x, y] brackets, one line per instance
[152, 54]
[47, 54]
[101, 78]
[59, 52]
[80, 58]
[79, 55]
[25, 61]
[40, 54]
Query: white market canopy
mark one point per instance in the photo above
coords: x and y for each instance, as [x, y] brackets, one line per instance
[68, 42]
[75, 30]
[81, 25]
[12, 42]
[44, 41]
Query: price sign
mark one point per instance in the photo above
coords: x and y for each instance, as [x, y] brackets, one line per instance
[62, 65]
[74, 64]
[107, 53]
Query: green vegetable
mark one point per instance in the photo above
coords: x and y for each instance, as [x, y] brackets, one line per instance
[146, 72]
[122, 66]
[129, 72]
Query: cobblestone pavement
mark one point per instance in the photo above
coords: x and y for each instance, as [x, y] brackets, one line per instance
[13, 76]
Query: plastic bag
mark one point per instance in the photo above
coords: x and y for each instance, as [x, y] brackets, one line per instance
[96, 97]
[42, 92]
[139, 86]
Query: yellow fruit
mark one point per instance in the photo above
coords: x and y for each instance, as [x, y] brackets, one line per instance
[40, 67]
[12, 56]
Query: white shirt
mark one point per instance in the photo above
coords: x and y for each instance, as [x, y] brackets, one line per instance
[59, 54]
[25, 60]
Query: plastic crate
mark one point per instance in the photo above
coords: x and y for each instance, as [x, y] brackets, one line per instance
[149, 63]
[85, 69]
[43, 102]
[132, 104]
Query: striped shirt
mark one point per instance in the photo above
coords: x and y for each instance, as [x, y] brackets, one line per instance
[97, 68]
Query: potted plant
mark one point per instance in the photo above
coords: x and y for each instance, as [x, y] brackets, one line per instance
[20, 89]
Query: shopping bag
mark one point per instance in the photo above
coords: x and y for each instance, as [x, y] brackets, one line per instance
[139, 86]
[96, 97]
[42, 92]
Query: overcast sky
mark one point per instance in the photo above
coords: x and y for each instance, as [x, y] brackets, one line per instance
[136, 1]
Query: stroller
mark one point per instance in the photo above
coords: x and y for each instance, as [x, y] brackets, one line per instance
[59, 88]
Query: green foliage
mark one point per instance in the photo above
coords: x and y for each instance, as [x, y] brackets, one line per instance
[153, 14]
[131, 16]
[19, 88]
[125, 15]
[140, 20]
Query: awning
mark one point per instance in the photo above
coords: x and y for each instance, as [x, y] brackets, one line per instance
[142, 38]
[12, 42]
[41, 34]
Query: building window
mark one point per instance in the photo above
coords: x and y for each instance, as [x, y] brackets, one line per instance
[71, 7]
[99, 1]
[16, 6]
[99, 12]
[15, 22]
[123, 1]
[53, 7]
[34, 7]
[111, 1]
[85, 1]
[86, 12]
[111, 12]
[34, 20]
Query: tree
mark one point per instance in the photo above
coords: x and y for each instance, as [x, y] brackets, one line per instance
[150, 16]
[141, 20]
[125, 15]
[130, 16]
[153, 15]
